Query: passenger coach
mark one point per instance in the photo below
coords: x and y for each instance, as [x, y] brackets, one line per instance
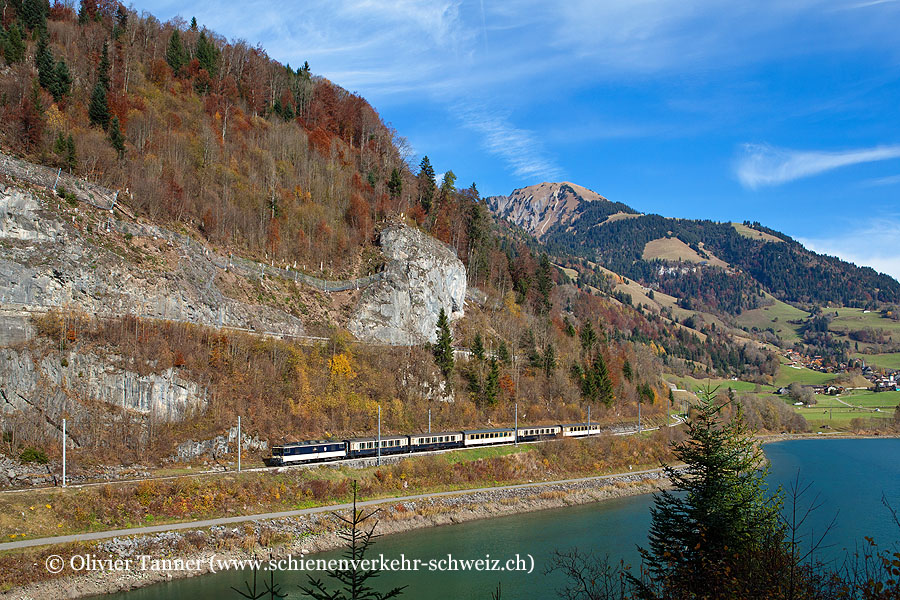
[391, 444]
[580, 429]
[435, 441]
[485, 437]
[533, 434]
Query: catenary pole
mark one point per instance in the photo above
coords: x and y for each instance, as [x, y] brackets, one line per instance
[64, 453]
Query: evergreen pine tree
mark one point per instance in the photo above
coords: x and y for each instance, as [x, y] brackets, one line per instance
[478, 348]
[116, 138]
[103, 68]
[193, 23]
[544, 284]
[87, 12]
[448, 185]
[395, 184]
[71, 157]
[588, 339]
[569, 328]
[62, 83]
[287, 112]
[549, 359]
[14, 47]
[602, 382]
[208, 55]
[353, 582]
[59, 146]
[98, 109]
[34, 14]
[596, 386]
[176, 55]
[503, 354]
[277, 108]
[46, 66]
[586, 379]
[443, 349]
[627, 371]
[718, 514]
[426, 184]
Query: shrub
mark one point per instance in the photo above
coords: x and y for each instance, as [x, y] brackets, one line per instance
[33, 455]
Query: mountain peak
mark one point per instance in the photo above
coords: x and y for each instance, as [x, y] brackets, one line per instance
[537, 208]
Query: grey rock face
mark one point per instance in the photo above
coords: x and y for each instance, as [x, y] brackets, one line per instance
[422, 275]
[219, 446]
[46, 263]
[26, 380]
[20, 218]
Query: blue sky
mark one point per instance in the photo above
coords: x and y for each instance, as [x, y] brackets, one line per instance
[785, 112]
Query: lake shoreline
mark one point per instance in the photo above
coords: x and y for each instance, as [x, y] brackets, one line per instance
[316, 533]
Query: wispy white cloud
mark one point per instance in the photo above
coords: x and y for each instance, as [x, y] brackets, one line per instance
[872, 244]
[879, 181]
[859, 5]
[519, 148]
[763, 165]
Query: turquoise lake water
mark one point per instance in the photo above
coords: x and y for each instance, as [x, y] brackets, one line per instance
[850, 476]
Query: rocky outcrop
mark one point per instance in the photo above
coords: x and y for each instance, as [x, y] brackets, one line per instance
[27, 380]
[219, 446]
[48, 262]
[421, 276]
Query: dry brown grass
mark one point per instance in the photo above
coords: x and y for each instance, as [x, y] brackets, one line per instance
[754, 234]
[675, 250]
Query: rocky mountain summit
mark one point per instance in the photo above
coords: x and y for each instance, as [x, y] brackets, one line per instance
[537, 208]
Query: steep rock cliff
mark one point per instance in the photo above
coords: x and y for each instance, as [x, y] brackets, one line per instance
[58, 383]
[47, 261]
[421, 276]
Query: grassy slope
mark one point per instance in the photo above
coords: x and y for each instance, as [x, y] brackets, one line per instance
[670, 249]
[830, 412]
[765, 317]
[788, 375]
[885, 361]
[693, 384]
[754, 234]
[857, 318]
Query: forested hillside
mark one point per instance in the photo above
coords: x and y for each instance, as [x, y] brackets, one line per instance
[211, 134]
[773, 262]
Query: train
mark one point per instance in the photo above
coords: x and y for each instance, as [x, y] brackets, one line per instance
[312, 451]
